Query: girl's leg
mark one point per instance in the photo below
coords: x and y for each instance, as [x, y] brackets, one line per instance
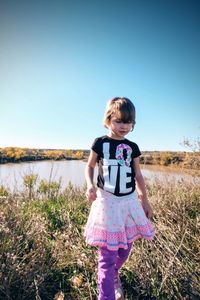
[122, 256]
[106, 272]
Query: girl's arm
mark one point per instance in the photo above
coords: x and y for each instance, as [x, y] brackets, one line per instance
[141, 190]
[89, 175]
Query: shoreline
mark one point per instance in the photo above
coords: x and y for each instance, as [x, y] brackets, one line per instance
[18, 161]
[171, 167]
[170, 159]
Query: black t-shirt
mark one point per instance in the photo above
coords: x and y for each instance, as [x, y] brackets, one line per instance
[115, 165]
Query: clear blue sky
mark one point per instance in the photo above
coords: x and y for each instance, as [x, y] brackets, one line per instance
[60, 61]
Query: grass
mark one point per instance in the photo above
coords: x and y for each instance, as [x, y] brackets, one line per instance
[43, 254]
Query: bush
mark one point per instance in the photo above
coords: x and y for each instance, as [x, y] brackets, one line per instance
[3, 191]
[30, 182]
[49, 189]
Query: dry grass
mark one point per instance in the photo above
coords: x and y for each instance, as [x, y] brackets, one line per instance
[43, 254]
[168, 267]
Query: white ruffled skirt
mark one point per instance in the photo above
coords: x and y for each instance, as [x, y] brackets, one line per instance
[114, 221]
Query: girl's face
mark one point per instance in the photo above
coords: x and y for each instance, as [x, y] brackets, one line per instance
[118, 129]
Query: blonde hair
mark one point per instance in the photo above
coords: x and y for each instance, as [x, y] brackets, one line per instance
[121, 108]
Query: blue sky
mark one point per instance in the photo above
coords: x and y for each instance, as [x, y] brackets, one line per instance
[60, 61]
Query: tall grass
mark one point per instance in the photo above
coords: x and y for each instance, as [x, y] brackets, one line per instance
[43, 254]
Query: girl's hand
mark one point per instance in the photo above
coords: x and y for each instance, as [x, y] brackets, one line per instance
[91, 193]
[147, 209]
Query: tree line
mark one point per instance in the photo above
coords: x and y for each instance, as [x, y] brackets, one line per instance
[163, 158]
[16, 154]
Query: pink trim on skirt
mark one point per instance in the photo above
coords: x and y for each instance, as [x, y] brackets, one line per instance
[114, 221]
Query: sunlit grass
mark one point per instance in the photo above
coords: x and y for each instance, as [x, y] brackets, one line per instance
[43, 251]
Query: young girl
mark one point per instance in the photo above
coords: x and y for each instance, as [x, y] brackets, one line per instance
[117, 218]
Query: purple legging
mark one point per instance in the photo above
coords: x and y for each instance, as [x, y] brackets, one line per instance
[109, 263]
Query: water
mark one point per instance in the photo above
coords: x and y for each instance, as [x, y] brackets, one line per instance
[11, 175]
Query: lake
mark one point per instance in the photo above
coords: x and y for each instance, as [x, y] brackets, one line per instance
[11, 175]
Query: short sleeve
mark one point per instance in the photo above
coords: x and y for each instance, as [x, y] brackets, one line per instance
[97, 146]
[136, 151]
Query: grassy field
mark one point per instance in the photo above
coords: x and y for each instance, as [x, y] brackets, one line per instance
[43, 254]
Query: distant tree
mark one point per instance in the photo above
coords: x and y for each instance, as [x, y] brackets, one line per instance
[192, 145]
[49, 154]
[166, 158]
[156, 158]
[68, 153]
[192, 159]
[54, 154]
[9, 152]
[79, 154]
[19, 153]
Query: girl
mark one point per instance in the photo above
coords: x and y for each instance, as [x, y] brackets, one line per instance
[117, 218]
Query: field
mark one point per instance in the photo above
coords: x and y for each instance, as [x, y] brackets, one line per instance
[43, 254]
